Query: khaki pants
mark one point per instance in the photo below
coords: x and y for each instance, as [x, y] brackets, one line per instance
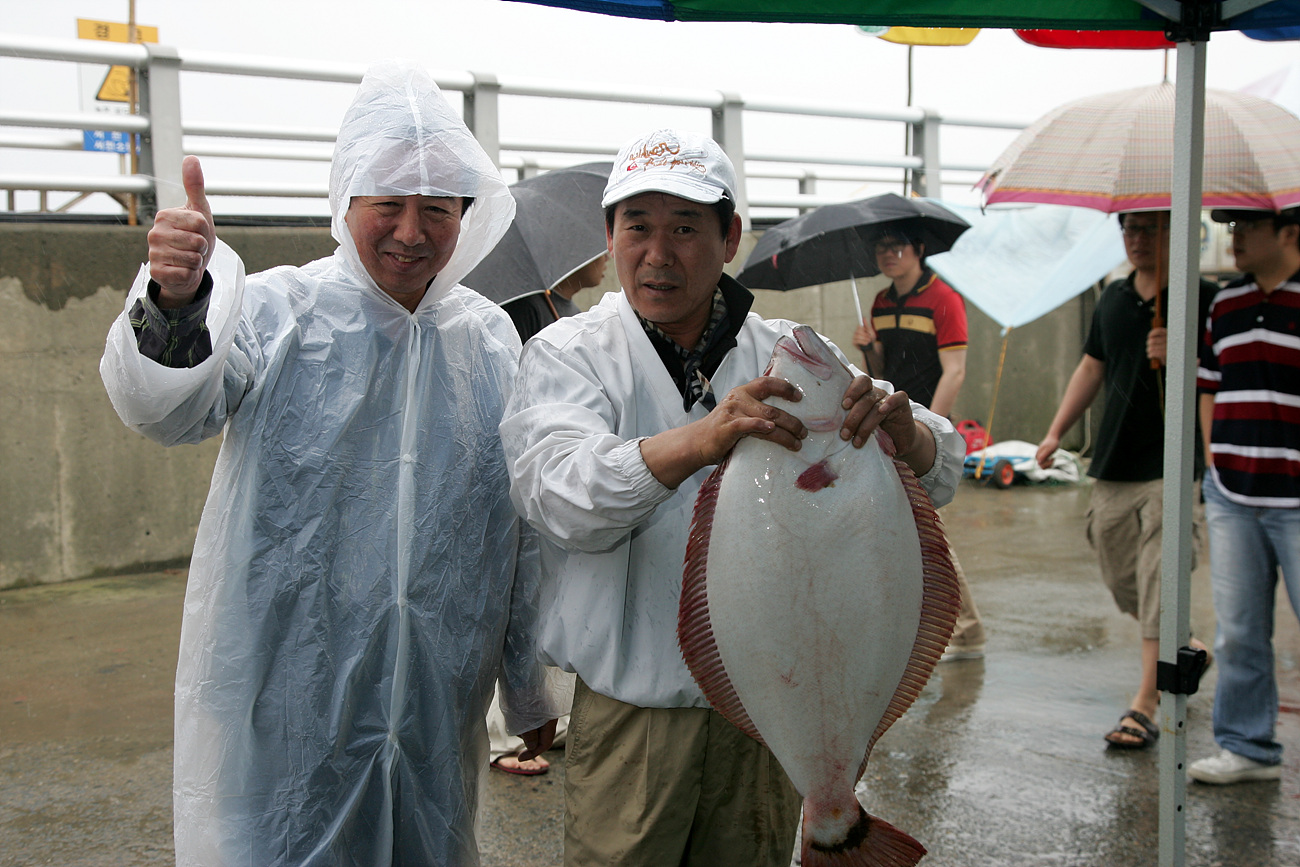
[968, 632]
[1124, 525]
[671, 787]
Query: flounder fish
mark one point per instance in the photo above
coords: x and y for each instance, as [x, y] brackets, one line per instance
[818, 595]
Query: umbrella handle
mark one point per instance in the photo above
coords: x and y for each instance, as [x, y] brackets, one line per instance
[1158, 315]
[857, 305]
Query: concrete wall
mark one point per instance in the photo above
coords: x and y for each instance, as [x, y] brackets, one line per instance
[80, 495]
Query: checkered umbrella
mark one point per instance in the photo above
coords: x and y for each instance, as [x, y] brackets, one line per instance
[1114, 152]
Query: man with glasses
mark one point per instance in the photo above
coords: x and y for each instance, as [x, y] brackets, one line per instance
[1249, 382]
[1127, 507]
[916, 339]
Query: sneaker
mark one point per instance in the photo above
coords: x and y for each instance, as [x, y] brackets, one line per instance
[1228, 767]
[954, 653]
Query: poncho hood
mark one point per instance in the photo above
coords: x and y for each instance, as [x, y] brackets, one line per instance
[400, 137]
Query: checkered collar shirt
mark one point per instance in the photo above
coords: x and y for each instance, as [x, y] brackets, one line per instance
[695, 387]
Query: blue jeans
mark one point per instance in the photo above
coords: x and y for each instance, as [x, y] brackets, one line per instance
[1248, 545]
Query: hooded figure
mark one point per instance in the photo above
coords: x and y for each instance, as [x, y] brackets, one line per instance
[360, 580]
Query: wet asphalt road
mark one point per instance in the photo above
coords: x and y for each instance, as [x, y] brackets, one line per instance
[1000, 761]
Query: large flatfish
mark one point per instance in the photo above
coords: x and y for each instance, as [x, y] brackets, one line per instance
[818, 595]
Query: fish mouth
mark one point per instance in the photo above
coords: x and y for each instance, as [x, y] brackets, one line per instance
[798, 350]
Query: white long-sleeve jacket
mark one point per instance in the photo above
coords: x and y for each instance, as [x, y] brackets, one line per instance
[360, 579]
[590, 388]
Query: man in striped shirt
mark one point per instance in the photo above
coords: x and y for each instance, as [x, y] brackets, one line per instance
[1249, 382]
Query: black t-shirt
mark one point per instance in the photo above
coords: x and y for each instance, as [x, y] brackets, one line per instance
[1131, 440]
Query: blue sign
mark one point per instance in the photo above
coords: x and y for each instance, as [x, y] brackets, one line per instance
[107, 142]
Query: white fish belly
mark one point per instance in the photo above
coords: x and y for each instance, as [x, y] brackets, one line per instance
[814, 601]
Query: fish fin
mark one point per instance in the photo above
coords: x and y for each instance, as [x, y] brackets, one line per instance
[694, 628]
[872, 842]
[818, 476]
[886, 442]
[940, 602]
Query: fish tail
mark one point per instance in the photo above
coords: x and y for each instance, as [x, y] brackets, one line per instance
[871, 842]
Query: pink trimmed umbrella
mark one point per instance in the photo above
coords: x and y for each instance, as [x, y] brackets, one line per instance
[1114, 152]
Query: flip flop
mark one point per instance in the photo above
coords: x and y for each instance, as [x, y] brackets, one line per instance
[1147, 735]
[517, 769]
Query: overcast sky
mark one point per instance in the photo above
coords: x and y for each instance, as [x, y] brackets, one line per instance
[995, 76]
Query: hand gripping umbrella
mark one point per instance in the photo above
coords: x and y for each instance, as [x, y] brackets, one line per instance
[835, 242]
[559, 227]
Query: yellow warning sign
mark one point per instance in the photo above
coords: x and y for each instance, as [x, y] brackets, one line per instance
[112, 31]
[116, 86]
[117, 83]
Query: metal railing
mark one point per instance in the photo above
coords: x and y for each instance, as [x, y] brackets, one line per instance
[165, 135]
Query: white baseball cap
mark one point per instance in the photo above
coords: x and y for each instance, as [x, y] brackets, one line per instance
[669, 161]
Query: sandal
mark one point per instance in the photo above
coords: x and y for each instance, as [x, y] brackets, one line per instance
[1146, 735]
[522, 769]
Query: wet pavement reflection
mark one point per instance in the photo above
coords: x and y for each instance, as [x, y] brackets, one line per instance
[1000, 761]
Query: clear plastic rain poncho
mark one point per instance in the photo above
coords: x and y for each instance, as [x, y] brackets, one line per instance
[360, 579]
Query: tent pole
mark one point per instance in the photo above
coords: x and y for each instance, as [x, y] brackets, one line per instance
[993, 405]
[1176, 553]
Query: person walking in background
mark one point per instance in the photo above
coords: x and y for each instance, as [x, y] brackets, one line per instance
[1126, 511]
[1249, 382]
[916, 340]
[360, 580]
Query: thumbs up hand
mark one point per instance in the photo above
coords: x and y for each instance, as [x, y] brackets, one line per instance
[182, 241]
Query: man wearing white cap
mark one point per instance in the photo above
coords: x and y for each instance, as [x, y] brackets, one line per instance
[617, 417]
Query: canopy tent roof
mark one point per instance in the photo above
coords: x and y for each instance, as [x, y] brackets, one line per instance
[1053, 14]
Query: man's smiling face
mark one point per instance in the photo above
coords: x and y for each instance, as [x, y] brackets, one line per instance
[404, 241]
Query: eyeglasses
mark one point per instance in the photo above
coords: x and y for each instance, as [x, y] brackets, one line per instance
[1246, 225]
[895, 247]
[1149, 230]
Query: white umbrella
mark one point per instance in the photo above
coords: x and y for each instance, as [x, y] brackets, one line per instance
[1017, 264]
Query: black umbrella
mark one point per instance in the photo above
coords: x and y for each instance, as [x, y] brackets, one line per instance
[559, 227]
[837, 242]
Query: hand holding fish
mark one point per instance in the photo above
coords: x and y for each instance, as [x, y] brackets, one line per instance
[870, 408]
[675, 455]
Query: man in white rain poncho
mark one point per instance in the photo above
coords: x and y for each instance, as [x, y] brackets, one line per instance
[360, 579]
